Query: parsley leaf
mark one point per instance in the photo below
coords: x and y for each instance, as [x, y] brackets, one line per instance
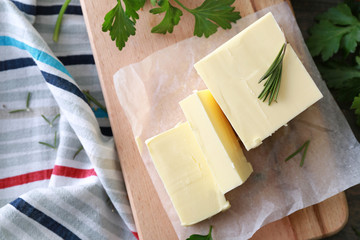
[132, 6]
[213, 14]
[201, 237]
[210, 15]
[171, 19]
[342, 79]
[119, 24]
[356, 106]
[337, 29]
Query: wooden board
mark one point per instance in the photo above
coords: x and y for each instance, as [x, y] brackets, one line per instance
[150, 218]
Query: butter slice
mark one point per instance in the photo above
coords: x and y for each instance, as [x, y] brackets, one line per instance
[184, 172]
[217, 140]
[232, 73]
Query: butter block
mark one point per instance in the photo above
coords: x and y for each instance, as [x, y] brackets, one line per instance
[184, 172]
[217, 140]
[233, 70]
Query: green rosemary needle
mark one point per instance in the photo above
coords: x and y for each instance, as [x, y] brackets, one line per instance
[305, 147]
[27, 109]
[78, 151]
[51, 123]
[273, 78]
[49, 145]
[89, 97]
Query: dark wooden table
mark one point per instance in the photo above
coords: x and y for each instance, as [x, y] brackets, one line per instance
[305, 12]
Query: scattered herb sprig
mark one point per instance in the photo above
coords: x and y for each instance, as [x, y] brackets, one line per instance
[305, 146]
[27, 109]
[273, 78]
[78, 151]
[59, 21]
[201, 237]
[90, 98]
[51, 123]
[54, 146]
[210, 15]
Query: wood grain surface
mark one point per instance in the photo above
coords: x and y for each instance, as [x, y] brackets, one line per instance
[150, 218]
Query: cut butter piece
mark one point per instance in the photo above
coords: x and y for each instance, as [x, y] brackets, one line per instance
[217, 140]
[233, 70]
[187, 178]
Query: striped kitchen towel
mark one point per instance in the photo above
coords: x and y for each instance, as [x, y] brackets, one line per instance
[46, 190]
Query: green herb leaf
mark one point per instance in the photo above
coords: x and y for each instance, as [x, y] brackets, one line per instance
[28, 100]
[78, 151]
[201, 237]
[343, 79]
[59, 20]
[305, 146]
[89, 97]
[27, 109]
[171, 18]
[47, 120]
[56, 117]
[356, 106]
[49, 145]
[119, 25]
[18, 110]
[212, 14]
[132, 6]
[337, 29]
[273, 76]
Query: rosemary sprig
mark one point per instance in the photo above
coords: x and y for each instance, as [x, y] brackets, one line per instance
[59, 20]
[51, 123]
[273, 78]
[49, 145]
[78, 151]
[92, 99]
[27, 109]
[305, 147]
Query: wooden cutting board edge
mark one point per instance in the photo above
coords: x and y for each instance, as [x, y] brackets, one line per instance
[317, 221]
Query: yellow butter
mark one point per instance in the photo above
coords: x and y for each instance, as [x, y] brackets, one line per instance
[217, 140]
[187, 178]
[232, 73]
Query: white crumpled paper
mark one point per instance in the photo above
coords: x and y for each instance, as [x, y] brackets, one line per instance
[149, 92]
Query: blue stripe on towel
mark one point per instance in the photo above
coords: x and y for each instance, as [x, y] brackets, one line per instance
[26, 8]
[77, 59]
[63, 84]
[43, 219]
[16, 63]
[35, 53]
[46, 10]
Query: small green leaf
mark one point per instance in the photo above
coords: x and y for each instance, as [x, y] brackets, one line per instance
[212, 14]
[132, 6]
[171, 18]
[201, 237]
[119, 25]
[336, 29]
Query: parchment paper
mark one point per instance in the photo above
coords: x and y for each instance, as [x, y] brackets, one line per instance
[149, 92]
